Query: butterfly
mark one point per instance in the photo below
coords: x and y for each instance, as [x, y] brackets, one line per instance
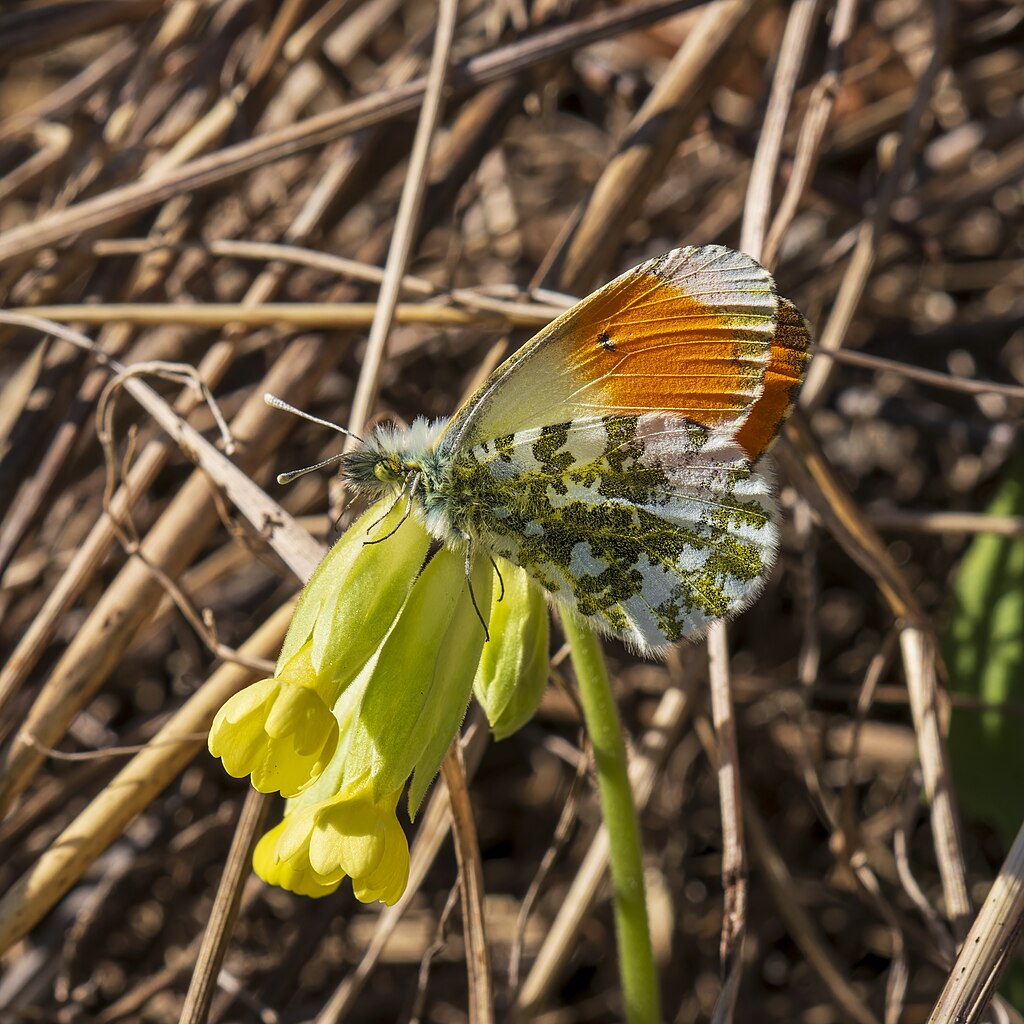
[616, 456]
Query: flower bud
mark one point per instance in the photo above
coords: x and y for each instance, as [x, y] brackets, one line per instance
[355, 593]
[513, 670]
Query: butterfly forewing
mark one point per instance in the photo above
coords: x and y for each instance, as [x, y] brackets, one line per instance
[688, 333]
[787, 364]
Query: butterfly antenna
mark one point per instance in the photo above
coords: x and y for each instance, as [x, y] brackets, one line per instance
[279, 403]
[287, 478]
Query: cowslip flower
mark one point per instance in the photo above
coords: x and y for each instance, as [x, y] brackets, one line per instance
[349, 834]
[373, 682]
[282, 730]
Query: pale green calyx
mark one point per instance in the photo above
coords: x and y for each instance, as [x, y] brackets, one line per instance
[513, 669]
[352, 599]
[416, 694]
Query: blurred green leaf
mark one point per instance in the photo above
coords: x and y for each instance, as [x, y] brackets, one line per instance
[984, 650]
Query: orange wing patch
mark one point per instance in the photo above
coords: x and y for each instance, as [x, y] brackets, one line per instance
[648, 345]
[698, 333]
[787, 365]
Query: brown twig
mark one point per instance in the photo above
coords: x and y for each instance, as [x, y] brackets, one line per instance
[217, 935]
[471, 885]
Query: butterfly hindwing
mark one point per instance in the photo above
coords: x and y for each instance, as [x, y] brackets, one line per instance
[649, 526]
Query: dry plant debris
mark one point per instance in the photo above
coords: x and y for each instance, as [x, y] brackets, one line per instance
[211, 191]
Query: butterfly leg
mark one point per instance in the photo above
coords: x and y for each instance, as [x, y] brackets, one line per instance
[410, 487]
[497, 572]
[469, 581]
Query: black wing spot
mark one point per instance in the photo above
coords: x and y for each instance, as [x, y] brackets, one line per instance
[604, 341]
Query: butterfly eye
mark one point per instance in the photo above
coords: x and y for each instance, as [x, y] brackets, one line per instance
[390, 470]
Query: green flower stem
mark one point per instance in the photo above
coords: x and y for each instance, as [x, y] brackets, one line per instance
[636, 958]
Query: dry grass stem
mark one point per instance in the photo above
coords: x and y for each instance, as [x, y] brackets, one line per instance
[734, 855]
[862, 261]
[471, 886]
[237, 868]
[812, 129]
[757, 207]
[375, 109]
[335, 315]
[986, 950]
[407, 219]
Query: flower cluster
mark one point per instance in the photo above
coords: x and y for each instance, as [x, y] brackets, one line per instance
[383, 653]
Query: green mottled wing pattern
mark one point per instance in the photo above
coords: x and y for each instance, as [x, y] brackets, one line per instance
[650, 526]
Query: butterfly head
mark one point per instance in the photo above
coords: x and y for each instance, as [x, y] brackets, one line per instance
[391, 457]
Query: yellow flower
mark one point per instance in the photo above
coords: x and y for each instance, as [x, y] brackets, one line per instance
[349, 834]
[372, 684]
[280, 730]
[295, 875]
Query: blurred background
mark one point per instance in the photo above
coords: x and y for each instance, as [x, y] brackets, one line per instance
[168, 169]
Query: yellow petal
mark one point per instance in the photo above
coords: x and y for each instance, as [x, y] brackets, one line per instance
[236, 735]
[301, 714]
[388, 881]
[281, 734]
[349, 834]
[294, 876]
[294, 832]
